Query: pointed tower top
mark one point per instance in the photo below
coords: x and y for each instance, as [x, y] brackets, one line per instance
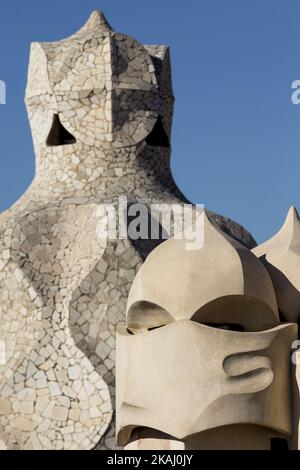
[288, 236]
[292, 218]
[281, 254]
[96, 21]
[291, 228]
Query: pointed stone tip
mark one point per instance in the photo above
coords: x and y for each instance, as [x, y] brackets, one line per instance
[97, 21]
[293, 210]
[286, 237]
[292, 215]
[291, 227]
[205, 220]
[208, 222]
[210, 228]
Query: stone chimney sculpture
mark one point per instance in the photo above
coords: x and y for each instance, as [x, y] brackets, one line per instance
[100, 106]
[204, 359]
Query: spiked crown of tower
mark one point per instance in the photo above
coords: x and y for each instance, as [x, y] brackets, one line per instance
[96, 57]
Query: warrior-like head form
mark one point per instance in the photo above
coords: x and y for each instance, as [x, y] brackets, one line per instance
[99, 88]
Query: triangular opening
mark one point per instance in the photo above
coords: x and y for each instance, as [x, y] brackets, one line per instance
[58, 134]
[158, 136]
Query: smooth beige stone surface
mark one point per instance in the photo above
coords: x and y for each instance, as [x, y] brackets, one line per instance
[281, 256]
[221, 282]
[186, 377]
[182, 372]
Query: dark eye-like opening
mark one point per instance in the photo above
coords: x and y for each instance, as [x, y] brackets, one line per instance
[146, 316]
[237, 313]
[226, 326]
[58, 134]
[158, 136]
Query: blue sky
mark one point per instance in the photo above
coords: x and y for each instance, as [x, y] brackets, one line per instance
[236, 134]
